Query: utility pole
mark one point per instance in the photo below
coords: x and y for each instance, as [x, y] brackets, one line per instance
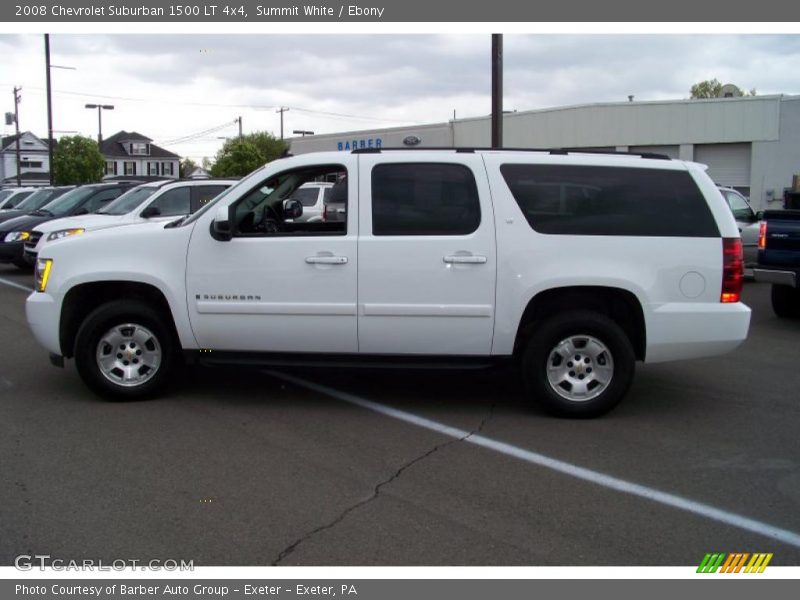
[17, 99]
[497, 90]
[49, 107]
[282, 110]
[240, 127]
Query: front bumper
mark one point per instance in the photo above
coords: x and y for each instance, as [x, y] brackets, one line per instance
[43, 314]
[11, 251]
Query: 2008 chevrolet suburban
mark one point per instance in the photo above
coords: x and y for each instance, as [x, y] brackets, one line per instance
[576, 264]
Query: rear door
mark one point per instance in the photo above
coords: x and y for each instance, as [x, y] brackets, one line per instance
[427, 262]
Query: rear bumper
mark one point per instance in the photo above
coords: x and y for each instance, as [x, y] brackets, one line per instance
[42, 312]
[780, 277]
[694, 330]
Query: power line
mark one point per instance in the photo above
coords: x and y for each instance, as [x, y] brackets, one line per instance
[220, 105]
[192, 136]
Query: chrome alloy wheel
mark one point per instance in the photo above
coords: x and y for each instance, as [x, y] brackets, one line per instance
[580, 368]
[128, 355]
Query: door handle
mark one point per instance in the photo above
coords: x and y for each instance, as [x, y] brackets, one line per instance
[326, 260]
[465, 259]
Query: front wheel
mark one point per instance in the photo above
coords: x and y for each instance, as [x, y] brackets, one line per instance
[124, 350]
[578, 364]
[786, 301]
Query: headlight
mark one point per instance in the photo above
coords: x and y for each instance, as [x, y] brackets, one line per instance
[17, 236]
[62, 233]
[42, 273]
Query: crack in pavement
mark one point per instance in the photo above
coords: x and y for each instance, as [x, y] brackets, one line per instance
[377, 489]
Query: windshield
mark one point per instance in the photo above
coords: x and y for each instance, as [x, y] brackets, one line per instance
[62, 205]
[128, 202]
[37, 200]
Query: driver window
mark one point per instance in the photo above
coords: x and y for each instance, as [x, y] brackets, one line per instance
[275, 207]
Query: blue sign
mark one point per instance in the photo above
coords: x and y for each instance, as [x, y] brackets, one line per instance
[359, 144]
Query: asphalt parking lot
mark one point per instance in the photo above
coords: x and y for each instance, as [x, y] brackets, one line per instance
[247, 467]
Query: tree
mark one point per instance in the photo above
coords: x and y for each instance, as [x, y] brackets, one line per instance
[240, 156]
[712, 88]
[187, 166]
[77, 160]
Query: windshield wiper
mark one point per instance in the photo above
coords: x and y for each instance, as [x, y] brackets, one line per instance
[41, 212]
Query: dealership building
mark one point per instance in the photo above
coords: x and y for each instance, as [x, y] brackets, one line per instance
[749, 143]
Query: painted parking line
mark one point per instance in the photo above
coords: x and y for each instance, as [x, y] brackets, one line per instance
[14, 284]
[601, 479]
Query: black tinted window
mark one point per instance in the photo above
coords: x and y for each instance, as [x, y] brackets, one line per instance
[173, 203]
[424, 199]
[585, 200]
[203, 194]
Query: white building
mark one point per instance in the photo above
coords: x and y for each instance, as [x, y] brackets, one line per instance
[34, 160]
[750, 143]
[130, 154]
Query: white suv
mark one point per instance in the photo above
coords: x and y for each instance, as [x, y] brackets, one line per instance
[577, 265]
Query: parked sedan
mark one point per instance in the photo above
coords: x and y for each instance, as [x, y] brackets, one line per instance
[747, 221]
[83, 200]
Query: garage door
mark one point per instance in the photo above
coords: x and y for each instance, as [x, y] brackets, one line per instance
[671, 151]
[728, 164]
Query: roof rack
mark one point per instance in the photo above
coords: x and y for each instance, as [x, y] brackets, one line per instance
[554, 151]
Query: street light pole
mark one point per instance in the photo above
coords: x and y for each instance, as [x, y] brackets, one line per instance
[17, 98]
[49, 108]
[100, 108]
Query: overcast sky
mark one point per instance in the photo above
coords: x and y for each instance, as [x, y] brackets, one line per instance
[170, 87]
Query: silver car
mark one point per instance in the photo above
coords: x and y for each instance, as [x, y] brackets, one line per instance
[748, 223]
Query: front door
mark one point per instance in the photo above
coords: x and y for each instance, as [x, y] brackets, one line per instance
[277, 286]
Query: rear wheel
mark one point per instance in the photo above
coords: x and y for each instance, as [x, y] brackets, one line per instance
[578, 364]
[786, 301]
[124, 350]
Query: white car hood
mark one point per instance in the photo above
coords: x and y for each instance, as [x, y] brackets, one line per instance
[88, 222]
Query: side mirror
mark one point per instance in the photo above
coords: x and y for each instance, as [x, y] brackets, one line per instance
[760, 215]
[150, 212]
[292, 209]
[221, 228]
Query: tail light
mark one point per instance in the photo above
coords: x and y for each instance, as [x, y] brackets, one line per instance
[732, 270]
[762, 235]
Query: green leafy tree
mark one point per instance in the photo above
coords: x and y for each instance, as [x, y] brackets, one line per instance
[77, 160]
[187, 166]
[712, 88]
[240, 156]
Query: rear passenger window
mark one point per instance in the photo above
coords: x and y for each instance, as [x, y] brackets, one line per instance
[588, 200]
[203, 194]
[424, 199]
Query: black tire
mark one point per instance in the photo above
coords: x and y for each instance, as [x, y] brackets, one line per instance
[102, 320]
[547, 335]
[786, 301]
